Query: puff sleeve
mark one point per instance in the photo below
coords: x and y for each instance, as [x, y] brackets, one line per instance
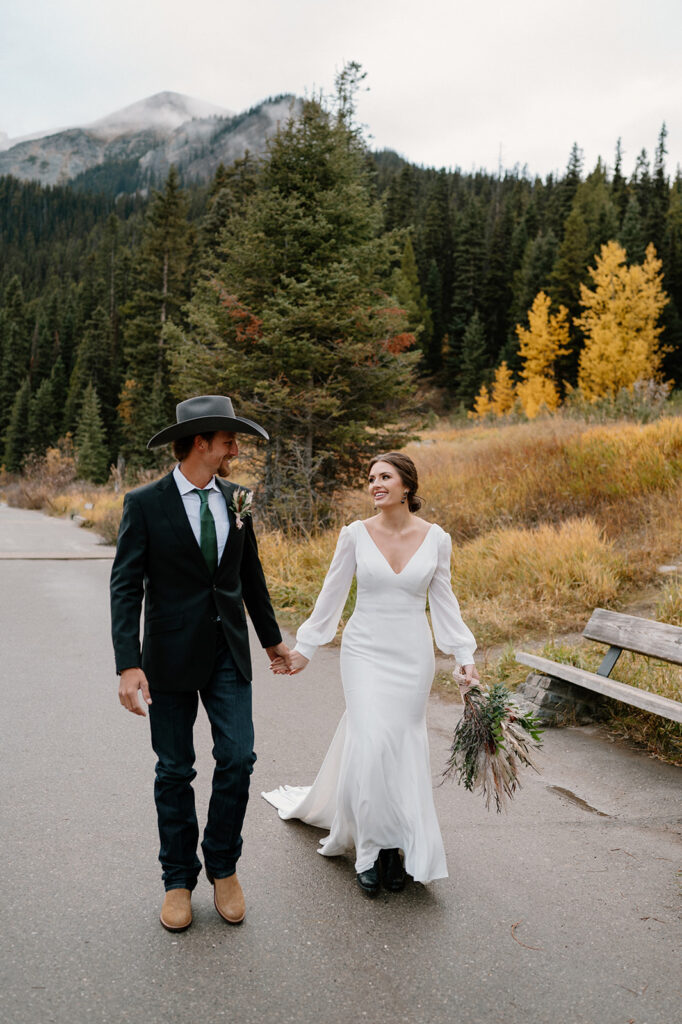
[321, 626]
[451, 634]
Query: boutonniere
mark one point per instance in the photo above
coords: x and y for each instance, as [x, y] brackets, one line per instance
[241, 505]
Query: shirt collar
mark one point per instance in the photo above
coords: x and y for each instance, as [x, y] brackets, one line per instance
[185, 486]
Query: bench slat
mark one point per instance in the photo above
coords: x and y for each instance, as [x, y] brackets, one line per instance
[644, 636]
[653, 702]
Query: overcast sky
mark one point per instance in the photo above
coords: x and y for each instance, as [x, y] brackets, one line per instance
[451, 83]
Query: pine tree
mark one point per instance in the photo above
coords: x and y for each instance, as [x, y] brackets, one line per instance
[619, 191]
[468, 278]
[41, 353]
[14, 347]
[401, 200]
[496, 292]
[162, 279]
[660, 191]
[296, 323]
[473, 360]
[541, 344]
[564, 192]
[43, 418]
[436, 246]
[230, 189]
[59, 388]
[94, 365]
[620, 323]
[672, 265]
[434, 298]
[92, 458]
[16, 435]
[408, 295]
[631, 235]
[640, 184]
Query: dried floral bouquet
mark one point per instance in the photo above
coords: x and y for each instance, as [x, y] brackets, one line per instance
[493, 740]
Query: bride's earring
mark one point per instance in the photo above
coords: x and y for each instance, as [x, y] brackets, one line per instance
[404, 498]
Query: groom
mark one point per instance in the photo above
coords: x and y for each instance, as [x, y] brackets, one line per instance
[186, 545]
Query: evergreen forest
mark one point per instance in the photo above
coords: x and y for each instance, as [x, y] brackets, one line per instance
[323, 288]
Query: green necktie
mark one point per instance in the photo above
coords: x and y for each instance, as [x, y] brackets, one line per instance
[208, 542]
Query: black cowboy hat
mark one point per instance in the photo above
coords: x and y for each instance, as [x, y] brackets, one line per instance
[205, 413]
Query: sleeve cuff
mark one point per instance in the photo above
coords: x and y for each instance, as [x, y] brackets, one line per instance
[307, 650]
[465, 657]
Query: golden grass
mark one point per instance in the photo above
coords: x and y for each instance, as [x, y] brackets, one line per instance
[99, 509]
[476, 480]
[295, 569]
[513, 582]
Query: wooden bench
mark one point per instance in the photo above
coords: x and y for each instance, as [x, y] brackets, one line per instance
[622, 633]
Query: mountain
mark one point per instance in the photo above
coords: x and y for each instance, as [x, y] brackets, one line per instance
[135, 147]
[165, 110]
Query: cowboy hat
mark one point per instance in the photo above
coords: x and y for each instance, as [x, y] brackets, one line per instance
[206, 413]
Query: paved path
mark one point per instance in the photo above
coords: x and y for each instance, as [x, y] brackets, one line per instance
[564, 911]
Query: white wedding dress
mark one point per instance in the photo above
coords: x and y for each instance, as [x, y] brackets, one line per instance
[374, 788]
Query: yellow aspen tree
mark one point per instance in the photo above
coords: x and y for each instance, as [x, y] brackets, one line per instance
[620, 323]
[503, 396]
[482, 405]
[540, 344]
[536, 394]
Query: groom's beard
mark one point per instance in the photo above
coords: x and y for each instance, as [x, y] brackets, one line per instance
[223, 469]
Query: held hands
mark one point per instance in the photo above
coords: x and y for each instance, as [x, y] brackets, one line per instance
[133, 683]
[280, 658]
[296, 663]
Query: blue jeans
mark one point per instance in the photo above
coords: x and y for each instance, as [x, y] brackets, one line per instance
[227, 699]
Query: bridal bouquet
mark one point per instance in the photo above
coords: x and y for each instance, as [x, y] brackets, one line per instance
[493, 739]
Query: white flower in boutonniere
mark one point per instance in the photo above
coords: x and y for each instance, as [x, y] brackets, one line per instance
[241, 505]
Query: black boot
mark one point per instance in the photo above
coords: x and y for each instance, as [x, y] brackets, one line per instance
[392, 870]
[369, 880]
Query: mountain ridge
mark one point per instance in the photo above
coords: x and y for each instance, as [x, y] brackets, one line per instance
[147, 137]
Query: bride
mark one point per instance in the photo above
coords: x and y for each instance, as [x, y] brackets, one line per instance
[373, 791]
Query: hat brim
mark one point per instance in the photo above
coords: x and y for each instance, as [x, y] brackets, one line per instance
[234, 425]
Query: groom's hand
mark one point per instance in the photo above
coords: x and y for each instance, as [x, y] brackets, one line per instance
[133, 682]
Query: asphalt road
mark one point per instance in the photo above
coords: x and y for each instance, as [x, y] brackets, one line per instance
[566, 910]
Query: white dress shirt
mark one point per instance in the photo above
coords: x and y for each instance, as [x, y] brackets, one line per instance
[192, 503]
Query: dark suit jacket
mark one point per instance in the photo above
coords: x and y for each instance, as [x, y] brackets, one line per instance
[158, 558]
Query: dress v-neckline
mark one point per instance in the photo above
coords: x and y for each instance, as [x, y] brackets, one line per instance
[412, 556]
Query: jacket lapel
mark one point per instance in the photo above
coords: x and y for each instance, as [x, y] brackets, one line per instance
[173, 507]
[227, 491]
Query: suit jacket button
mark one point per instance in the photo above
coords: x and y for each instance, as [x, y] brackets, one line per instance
[214, 587]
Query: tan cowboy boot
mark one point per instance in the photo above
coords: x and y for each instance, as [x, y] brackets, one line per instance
[229, 899]
[176, 912]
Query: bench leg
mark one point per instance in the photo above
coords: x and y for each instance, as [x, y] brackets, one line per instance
[556, 702]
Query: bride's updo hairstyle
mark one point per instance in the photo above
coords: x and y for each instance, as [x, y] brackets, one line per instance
[407, 471]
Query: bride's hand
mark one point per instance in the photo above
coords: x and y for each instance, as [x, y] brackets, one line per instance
[279, 667]
[296, 662]
[466, 676]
